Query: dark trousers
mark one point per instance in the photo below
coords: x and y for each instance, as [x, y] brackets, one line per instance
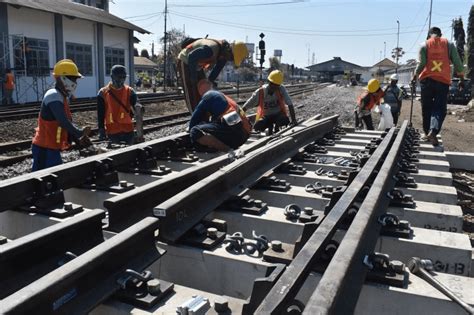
[395, 115]
[368, 122]
[265, 122]
[434, 96]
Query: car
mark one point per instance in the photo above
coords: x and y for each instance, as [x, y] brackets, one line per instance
[456, 96]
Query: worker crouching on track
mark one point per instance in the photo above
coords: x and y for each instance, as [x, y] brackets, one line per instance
[393, 96]
[228, 127]
[371, 97]
[435, 77]
[202, 54]
[271, 101]
[115, 108]
[55, 129]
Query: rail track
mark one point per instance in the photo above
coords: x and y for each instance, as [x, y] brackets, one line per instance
[316, 219]
[14, 152]
[18, 112]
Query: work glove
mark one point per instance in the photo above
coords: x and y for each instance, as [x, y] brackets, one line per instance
[102, 135]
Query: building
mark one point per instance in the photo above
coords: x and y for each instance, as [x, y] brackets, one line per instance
[144, 66]
[334, 69]
[380, 69]
[34, 35]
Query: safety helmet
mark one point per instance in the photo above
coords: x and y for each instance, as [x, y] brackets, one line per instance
[394, 77]
[373, 85]
[66, 67]
[276, 77]
[240, 52]
[118, 74]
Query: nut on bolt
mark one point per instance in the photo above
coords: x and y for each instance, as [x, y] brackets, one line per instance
[308, 210]
[153, 286]
[221, 304]
[277, 246]
[123, 183]
[212, 233]
[257, 202]
[397, 266]
[68, 206]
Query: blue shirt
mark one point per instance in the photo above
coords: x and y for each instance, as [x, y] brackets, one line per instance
[213, 103]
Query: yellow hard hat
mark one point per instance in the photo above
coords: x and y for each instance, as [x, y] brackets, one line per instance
[276, 77]
[66, 67]
[240, 52]
[373, 85]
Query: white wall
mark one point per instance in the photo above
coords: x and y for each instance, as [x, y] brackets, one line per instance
[83, 32]
[35, 24]
[116, 38]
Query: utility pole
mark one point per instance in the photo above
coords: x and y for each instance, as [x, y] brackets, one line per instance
[385, 49]
[165, 58]
[431, 9]
[398, 39]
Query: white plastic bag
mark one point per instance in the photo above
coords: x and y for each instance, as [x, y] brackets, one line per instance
[386, 118]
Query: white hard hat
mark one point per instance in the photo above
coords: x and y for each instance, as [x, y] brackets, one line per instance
[394, 77]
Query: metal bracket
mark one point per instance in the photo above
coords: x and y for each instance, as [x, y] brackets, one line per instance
[409, 156]
[279, 252]
[393, 226]
[145, 163]
[195, 306]
[244, 204]
[315, 148]
[290, 168]
[384, 271]
[330, 249]
[326, 141]
[335, 196]
[403, 180]
[272, 183]
[141, 289]
[207, 234]
[305, 157]
[178, 152]
[407, 167]
[399, 199]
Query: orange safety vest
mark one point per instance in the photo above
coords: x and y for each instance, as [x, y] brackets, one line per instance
[118, 115]
[232, 106]
[437, 61]
[375, 99]
[10, 81]
[261, 104]
[49, 134]
[206, 63]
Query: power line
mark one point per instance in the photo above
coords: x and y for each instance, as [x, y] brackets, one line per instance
[419, 34]
[237, 5]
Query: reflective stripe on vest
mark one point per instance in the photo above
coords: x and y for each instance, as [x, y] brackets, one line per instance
[49, 134]
[117, 118]
[261, 104]
[437, 61]
[233, 106]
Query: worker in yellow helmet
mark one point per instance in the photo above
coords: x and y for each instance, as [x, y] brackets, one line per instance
[369, 98]
[55, 128]
[272, 101]
[202, 54]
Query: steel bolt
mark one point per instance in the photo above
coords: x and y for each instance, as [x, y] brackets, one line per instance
[49, 185]
[277, 246]
[397, 266]
[212, 233]
[153, 286]
[3, 240]
[123, 183]
[68, 206]
[257, 202]
[308, 210]
[221, 305]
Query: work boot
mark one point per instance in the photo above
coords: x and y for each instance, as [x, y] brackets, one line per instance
[432, 138]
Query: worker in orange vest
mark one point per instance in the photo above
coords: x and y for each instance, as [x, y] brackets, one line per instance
[371, 97]
[9, 86]
[271, 100]
[434, 73]
[55, 128]
[203, 54]
[116, 107]
[218, 122]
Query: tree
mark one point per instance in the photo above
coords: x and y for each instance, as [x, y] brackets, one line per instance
[135, 52]
[470, 46]
[248, 73]
[144, 53]
[174, 39]
[275, 64]
[459, 37]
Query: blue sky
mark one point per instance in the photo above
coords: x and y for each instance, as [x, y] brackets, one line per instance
[352, 29]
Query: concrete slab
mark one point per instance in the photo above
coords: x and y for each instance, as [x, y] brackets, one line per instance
[433, 177]
[310, 178]
[433, 165]
[296, 195]
[345, 147]
[432, 155]
[433, 193]
[430, 215]
[461, 160]
[353, 141]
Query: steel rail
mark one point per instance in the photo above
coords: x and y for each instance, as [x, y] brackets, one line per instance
[83, 283]
[338, 290]
[182, 211]
[296, 273]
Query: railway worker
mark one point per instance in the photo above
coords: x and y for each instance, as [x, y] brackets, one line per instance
[9, 86]
[116, 107]
[393, 96]
[218, 122]
[434, 73]
[369, 98]
[202, 54]
[55, 128]
[271, 100]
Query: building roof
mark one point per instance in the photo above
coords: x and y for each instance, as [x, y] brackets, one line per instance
[76, 10]
[385, 63]
[144, 62]
[335, 65]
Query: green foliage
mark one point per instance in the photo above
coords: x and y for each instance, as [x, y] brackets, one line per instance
[470, 45]
[459, 36]
[275, 64]
[144, 53]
